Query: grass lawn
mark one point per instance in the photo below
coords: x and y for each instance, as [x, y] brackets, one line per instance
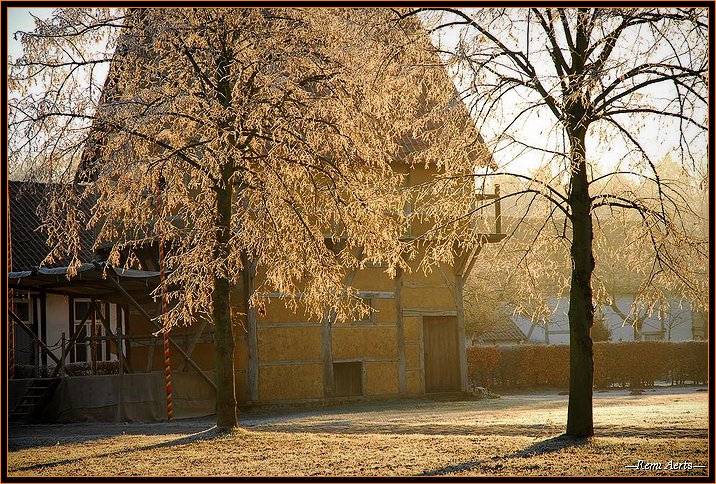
[517, 435]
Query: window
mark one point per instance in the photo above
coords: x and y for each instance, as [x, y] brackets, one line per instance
[348, 378]
[83, 345]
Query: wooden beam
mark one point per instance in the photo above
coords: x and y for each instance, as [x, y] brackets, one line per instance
[34, 336]
[471, 262]
[120, 386]
[460, 284]
[35, 326]
[498, 211]
[193, 343]
[158, 327]
[450, 285]
[402, 386]
[93, 336]
[252, 373]
[327, 352]
[43, 323]
[427, 312]
[375, 294]
[292, 324]
[290, 362]
[423, 285]
[75, 335]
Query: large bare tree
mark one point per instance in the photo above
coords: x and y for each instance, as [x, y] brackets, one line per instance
[239, 136]
[588, 95]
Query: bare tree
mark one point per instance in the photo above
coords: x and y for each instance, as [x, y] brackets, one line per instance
[580, 93]
[241, 136]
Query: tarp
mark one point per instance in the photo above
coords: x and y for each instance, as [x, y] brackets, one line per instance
[91, 280]
[96, 398]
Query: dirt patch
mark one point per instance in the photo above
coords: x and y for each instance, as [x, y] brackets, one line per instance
[513, 436]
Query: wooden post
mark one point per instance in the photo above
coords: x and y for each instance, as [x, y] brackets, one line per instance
[35, 326]
[329, 318]
[70, 346]
[252, 329]
[43, 324]
[459, 287]
[127, 341]
[64, 352]
[93, 337]
[498, 210]
[402, 385]
[150, 355]
[72, 332]
[120, 377]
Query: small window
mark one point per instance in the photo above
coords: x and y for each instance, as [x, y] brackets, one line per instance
[348, 379]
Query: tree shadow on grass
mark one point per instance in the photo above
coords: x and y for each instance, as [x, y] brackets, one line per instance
[554, 444]
[208, 434]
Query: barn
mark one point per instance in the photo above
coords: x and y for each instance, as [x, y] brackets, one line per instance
[411, 344]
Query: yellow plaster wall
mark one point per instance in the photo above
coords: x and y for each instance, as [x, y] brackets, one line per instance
[411, 328]
[290, 382]
[413, 382]
[386, 311]
[381, 377]
[412, 356]
[290, 343]
[432, 278]
[373, 279]
[363, 341]
[278, 312]
[435, 298]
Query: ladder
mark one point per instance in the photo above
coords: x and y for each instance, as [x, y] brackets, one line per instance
[36, 396]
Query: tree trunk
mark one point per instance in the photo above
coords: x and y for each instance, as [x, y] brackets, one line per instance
[581, 310]
[226, 417]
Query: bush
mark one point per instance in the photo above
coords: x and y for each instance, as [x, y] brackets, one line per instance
[635, 364]
[481, 366]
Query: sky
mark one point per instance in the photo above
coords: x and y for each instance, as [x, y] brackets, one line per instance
[660, 141]
[20, 19]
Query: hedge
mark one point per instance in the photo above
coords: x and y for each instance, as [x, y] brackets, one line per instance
[634, 364]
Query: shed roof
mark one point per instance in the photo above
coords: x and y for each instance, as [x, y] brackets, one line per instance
[503, 333]
[93, 280]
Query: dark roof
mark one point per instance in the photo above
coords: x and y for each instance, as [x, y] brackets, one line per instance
[28, 243]
[504, 332]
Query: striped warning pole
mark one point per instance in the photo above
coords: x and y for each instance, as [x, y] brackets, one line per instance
[167, 362]
[165, 309]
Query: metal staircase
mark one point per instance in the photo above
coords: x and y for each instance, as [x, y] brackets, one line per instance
[36, 396]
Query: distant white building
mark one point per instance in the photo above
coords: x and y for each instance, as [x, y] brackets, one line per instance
[676, 324]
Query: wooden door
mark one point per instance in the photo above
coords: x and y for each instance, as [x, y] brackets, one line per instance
[441, 354]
